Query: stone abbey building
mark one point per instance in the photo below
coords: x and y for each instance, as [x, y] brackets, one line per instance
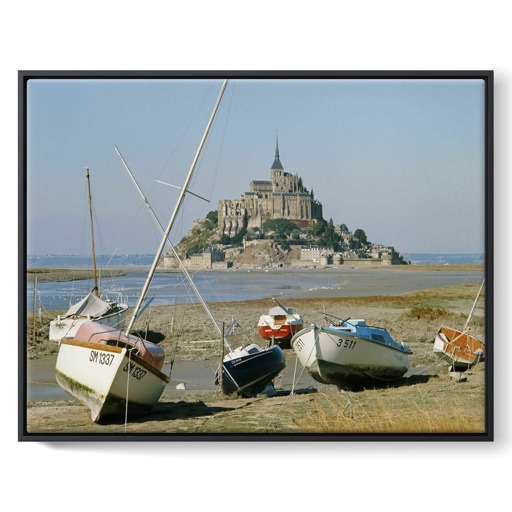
[282, 197]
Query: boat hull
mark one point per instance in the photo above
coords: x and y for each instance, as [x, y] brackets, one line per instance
[250, 374]
[279, 324]
[102, 377]
[279, 333]
[458, 348]
[346, 359]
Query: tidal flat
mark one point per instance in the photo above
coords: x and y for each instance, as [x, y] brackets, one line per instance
[428, 400]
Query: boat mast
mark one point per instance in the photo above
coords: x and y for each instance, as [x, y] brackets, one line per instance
[473, 308]
[173, 249]
[144, 292]
[95, 289]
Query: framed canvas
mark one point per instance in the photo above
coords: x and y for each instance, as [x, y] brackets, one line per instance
[256, 256]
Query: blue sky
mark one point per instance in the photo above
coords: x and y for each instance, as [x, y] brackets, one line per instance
[401, 159]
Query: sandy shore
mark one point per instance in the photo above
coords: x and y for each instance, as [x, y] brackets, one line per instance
[427, 401]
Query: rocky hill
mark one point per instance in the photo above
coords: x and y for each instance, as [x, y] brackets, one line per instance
[279, 243]
[203, 234]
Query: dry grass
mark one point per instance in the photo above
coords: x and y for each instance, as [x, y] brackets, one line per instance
[436, 407]
[427, 312]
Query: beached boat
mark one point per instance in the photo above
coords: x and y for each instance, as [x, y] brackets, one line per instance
[247, 370]
[279, 324]
[458, 347]
[92, 307]
[112, 371]
[350, 353]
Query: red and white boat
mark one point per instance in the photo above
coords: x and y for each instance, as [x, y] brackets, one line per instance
[280, 323]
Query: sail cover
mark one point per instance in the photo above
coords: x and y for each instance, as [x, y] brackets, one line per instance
[279, 310]
[90, 305]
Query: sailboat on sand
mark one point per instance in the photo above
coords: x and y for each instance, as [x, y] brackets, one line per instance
[92, 307]
[111, 371]
[460, 348]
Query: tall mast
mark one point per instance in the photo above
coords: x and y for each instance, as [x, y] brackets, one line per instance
[167, 232]
[473, 308]
[173, 249]
[95, 289]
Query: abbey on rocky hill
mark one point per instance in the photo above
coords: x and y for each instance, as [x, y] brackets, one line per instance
[282, 197]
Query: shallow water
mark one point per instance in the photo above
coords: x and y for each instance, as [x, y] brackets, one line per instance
[239, 285]
[196, 376]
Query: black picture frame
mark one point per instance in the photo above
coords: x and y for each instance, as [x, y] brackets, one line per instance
[24, 77]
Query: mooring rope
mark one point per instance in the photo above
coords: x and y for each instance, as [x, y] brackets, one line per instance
[435, 363]
[292, 391]
[127, 389]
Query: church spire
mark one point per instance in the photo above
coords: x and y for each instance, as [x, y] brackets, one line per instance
[277, 163]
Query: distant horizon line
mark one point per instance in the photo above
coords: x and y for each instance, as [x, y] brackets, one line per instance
[46, 255]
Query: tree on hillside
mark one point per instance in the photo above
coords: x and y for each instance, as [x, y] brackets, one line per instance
[318, 228]
[212, 219]
[330, 238]
[280, 226]
[361, 237]
[254, 233]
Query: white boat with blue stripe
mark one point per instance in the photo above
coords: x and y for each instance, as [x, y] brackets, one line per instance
[349, 353]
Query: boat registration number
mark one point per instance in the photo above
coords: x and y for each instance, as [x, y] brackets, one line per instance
[101, 358]
[299, 345]
[350, 344]
[135, 371]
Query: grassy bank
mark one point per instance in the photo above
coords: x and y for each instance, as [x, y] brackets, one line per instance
[65, 274]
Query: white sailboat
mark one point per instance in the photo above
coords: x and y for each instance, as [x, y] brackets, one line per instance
[92, 307]
[113, 372]
[458, 347]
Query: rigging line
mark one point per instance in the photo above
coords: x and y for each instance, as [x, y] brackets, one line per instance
[222, 139]
[290, 395]
[231, 305]
[435, 363]
[180, 140]
[166, 233]
[40, 302]
[172, 154]
[202, 156]
[85, 226]
[127, 389]
[99, 236]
